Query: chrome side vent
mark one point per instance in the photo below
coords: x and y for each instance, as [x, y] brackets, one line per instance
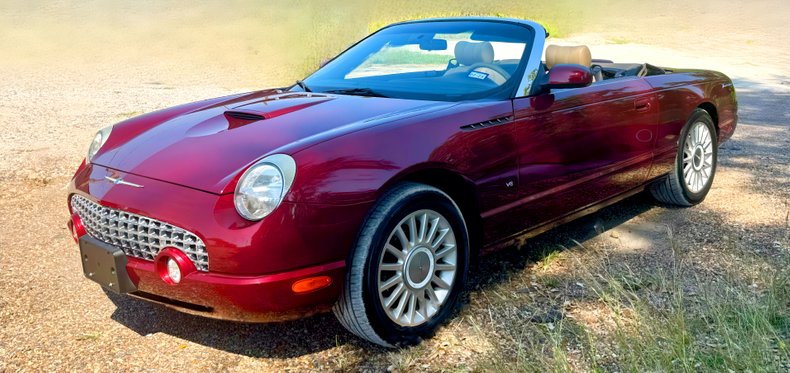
[242, 115]
[488, 123]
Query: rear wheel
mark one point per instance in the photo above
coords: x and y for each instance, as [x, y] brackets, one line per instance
[407, 269]
[695, 164]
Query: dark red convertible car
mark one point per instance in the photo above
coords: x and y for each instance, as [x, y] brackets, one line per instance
[368, 186]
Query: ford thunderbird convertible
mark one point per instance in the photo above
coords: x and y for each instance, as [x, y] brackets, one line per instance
[369, 186]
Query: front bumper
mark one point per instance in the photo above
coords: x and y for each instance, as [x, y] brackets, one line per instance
[252, 265]
[240, 298]
[264, 298]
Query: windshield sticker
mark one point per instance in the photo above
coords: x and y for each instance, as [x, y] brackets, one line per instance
[477, 75]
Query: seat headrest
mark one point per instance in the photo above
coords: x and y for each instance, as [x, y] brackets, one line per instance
[468, 53]
[579, 55]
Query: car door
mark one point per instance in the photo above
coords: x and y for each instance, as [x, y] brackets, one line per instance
[581, 146]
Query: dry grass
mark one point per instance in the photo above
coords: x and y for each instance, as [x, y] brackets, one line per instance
[613, 315]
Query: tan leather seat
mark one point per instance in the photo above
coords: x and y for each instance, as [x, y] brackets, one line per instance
[468, 53]
[579, 55]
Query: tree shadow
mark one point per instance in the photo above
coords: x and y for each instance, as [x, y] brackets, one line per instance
[761, 104]
[498, 266]
[696, 248]
[762, 139]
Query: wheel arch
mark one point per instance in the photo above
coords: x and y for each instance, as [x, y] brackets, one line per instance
[710, 108]
[460, 189]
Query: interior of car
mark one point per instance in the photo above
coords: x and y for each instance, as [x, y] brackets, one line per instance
[480, 57]
[456, 64]
[601, 69]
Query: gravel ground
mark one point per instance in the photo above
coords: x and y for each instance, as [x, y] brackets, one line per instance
[51, 318]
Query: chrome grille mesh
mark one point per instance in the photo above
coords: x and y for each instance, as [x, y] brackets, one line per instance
[137, 235]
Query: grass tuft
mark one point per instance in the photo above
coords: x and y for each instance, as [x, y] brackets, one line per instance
[619, 40]
[669, 318]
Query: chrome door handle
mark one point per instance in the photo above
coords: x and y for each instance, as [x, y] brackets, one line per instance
[642, 105]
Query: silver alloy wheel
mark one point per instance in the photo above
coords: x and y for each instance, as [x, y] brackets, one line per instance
[417, 267]
[697, 157]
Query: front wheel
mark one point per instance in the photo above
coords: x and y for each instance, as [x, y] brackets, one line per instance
[695, 165]
[408, 267]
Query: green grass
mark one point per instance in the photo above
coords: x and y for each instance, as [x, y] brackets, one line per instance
[660, 324]
[727, 326]
[549, 281]
[130, 114]
[549, 258]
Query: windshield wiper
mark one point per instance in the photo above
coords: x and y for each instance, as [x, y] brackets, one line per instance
[302, 85]
[357, 92]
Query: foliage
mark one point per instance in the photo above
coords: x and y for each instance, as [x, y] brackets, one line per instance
[665, 319]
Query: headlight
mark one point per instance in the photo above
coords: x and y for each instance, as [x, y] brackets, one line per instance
[263, 186]
[98, 142]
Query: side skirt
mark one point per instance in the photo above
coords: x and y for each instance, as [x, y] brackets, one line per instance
[518, 239]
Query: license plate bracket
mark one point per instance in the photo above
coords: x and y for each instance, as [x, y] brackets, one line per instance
[105, 264]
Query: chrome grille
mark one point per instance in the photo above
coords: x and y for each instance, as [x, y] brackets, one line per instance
[137, 235]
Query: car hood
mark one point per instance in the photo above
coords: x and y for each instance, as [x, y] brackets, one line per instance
[206, 148]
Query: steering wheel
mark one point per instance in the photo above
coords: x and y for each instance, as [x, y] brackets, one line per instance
[496, 74]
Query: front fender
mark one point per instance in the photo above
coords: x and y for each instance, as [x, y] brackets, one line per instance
[354, 168]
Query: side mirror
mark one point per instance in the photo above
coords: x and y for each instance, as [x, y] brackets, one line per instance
[568, 76]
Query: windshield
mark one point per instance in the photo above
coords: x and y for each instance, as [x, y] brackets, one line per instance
[436, 60]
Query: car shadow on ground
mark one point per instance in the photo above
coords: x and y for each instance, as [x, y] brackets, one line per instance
[572, 234]
[322, 332]
[274, 340]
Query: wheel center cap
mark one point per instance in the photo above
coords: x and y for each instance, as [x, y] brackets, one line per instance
[419, 267]
[696, 160]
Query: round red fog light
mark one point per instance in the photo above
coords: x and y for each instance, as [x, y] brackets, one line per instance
[173, 265]
[173, 271]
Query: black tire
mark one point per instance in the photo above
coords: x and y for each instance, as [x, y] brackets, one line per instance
[672, 189]
[359, 309]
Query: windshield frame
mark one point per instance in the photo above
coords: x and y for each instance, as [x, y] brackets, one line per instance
[519, 85]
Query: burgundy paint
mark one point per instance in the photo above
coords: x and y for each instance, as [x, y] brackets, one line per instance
[568, 76]
[551, 155]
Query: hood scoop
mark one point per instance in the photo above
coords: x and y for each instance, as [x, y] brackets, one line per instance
[244, 115]
[274, 106]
